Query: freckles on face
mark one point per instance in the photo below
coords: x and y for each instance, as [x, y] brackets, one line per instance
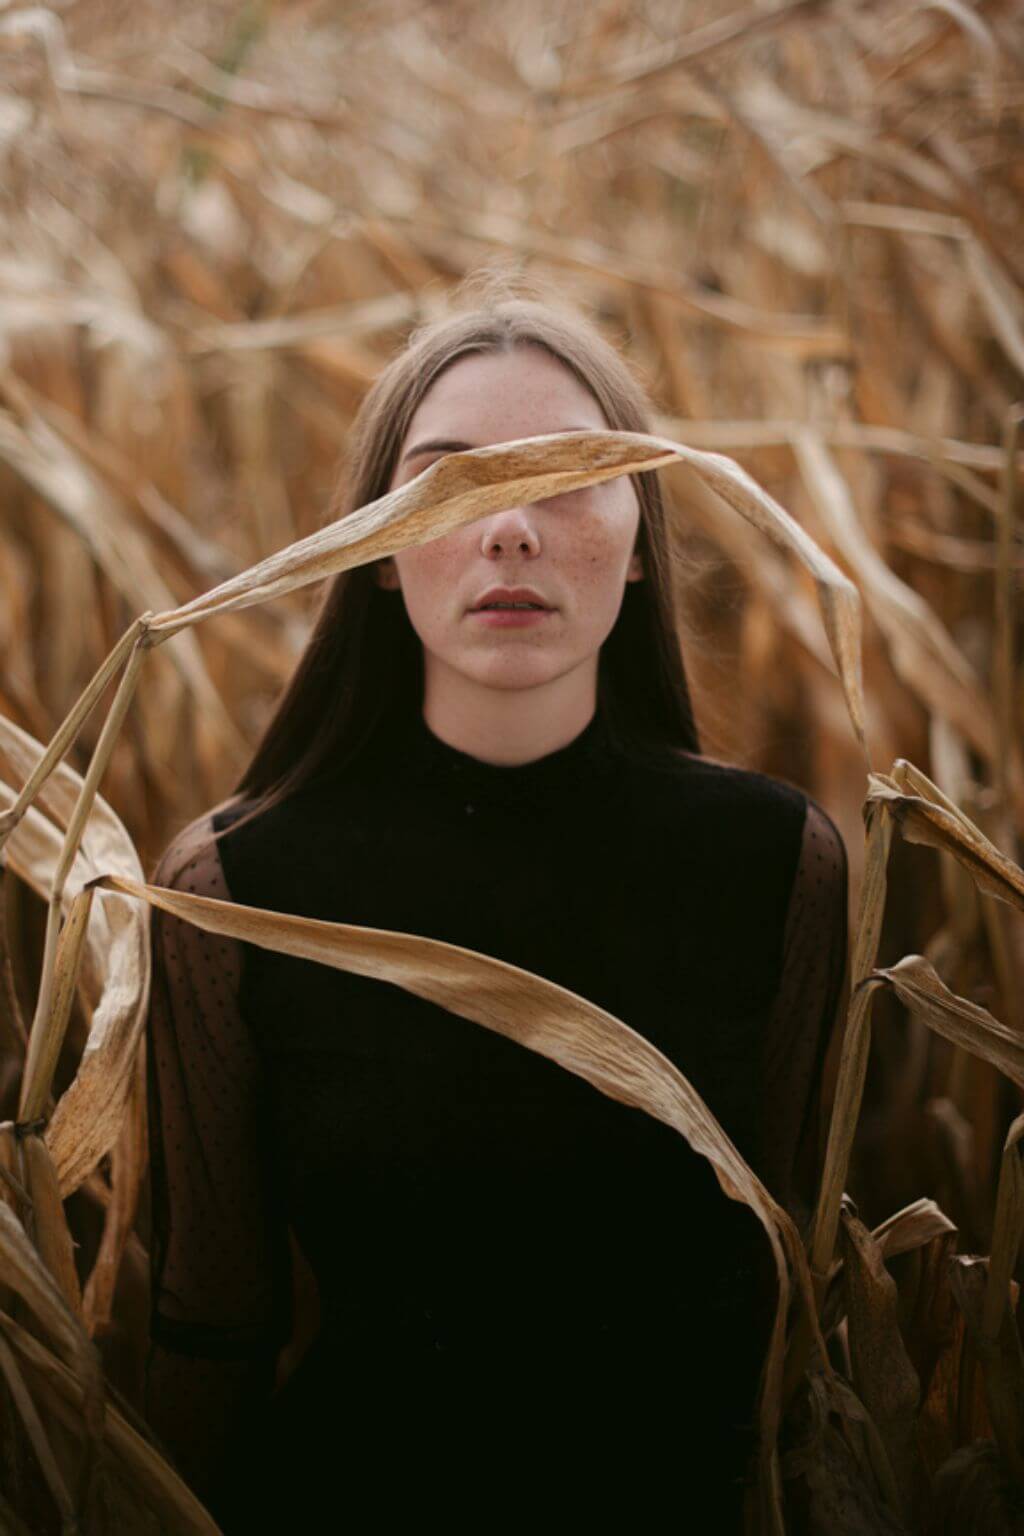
[574, 549]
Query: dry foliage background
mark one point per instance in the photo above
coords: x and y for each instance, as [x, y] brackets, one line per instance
[802, 225]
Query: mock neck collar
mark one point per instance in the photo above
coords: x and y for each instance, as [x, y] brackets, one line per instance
[586, 764]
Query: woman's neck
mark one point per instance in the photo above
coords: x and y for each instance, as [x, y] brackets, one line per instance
[509, 726]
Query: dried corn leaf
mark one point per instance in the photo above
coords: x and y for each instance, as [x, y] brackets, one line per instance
[925, 815]
[967, 1024]
[116, 970]
[916, 1225]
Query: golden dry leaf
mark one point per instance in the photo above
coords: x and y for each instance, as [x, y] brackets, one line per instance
[912, 1227]
[967, 1024]
[115, 968]
[925, 815]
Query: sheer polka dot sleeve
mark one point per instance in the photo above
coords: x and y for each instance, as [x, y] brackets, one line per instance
[219, 1259]
[810, 1002]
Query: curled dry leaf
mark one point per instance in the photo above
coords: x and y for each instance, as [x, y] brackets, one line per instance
[115, 971]
[955, 1018]
[925, 815]
[913, 1227]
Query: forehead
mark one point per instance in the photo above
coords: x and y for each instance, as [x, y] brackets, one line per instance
[497, 396]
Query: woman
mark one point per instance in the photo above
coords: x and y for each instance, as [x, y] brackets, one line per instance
[526, 1288]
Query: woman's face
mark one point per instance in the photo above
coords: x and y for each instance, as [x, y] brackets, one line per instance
[575, 550]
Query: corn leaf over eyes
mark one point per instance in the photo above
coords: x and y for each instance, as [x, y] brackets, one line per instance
[546, 1018]
[460, 488]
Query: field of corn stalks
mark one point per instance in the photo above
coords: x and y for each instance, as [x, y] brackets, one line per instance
[801, 222]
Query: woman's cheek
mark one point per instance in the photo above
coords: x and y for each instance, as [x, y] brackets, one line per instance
[431, 577]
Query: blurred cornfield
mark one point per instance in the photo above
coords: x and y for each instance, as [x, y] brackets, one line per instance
[802, 224]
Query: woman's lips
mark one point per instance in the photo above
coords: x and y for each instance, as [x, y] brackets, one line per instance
[510, 618]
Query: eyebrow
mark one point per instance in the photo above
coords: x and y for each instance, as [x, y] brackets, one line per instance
[447, 445]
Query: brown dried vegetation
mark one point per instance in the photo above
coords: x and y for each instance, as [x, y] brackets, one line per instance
[800, 223]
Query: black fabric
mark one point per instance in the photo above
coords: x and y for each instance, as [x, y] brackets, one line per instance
[508, 1259]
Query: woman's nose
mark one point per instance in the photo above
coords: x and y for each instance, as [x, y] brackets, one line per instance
[512, 529]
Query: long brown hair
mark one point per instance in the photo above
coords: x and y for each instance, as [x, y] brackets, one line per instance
[362, 667]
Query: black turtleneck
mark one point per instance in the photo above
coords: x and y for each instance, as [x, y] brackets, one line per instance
[507, 1259]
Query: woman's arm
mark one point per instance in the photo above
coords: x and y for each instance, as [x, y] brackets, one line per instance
[811, 999]
[220, 1304]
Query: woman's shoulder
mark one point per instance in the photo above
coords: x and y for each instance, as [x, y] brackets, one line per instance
[726, 799]
[744, 827]
[191, 860]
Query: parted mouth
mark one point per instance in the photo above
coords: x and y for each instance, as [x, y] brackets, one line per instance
[510, 597]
